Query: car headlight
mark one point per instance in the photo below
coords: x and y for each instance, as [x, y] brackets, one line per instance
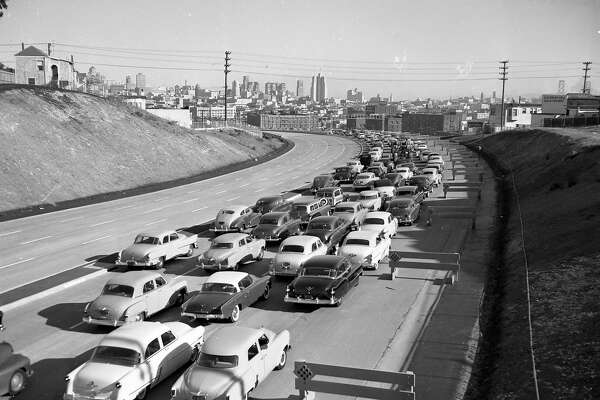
[87, 307]
[147, 257]
[119, 256]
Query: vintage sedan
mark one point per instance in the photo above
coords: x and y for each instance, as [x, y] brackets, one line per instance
[269, 204]
[405, 171]
[364, 180]
[396, 178]
[356, 166]
[153, 249]
[331, 230]
[434, 174]
[344, 174]
[275, 226]
[306, 209]
[294, 252]
[132, 359]
[323, 180]
[423, 182]
[366, 248]
[15, 369]
[381, 222]
[370, 200]
[386, 189]
[231, 250]
[352, 211]
[410, 192]
[323, 280]
[235, 219]
[234, 360]
[134, 296]
[224, 294]
[406, 211]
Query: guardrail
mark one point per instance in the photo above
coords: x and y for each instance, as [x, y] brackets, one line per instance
[400, 384]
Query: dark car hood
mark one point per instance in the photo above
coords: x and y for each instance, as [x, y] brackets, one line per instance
[312, 285]
[206, 301]
[261, 231]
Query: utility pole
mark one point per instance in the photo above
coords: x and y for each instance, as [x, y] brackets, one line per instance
[227, 70]
[586, 69]
[503, 78]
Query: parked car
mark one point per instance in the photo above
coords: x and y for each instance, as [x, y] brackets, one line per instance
[132, 359]
[323, 280]
[370, 200]
[276, 226]
[410, 192]
[293, 252]
[366, 248]
[380, 222]
[344, 174]
[333, 195]
[231, 250]
[436, 177]
[235, 218]
[377, 170]
[153, 249]
[423, 182]
[15, 368]
[134, 296]
[386, 189]
[224, 294]
[356, 166]
[405, 172]
[438, 167]
[435, 158]
[365, 160]
[269, 204]
[406, 211]
[364, 180]
[410, 165]
[331, 230]
[234, 360]
[352, 211]
[396, 178]
[306, 209]
[375, 155]
[322, 181]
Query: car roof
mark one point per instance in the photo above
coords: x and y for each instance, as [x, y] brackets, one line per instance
[328, 189]
[235, 207]
[231, 340]
[156, 233]
[368, 192]
[407, 187]
[134, 335]
[377, 214]
[134, 278]
[300, 240]
[348, 203]
[428, 169]
[231, 277]
[275, 214]
[371, 235]
[230, 237]
[325, 218]
[324, 261]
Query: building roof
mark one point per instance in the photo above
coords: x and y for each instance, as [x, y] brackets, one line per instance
[31, 51]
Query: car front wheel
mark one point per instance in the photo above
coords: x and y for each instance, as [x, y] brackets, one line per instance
[267, 293]
[282, 360]
[235, 314]
[17, 382]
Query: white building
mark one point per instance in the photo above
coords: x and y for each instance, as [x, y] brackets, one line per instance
[34, 67]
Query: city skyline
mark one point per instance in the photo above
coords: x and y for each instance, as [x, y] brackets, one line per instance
[453, 52]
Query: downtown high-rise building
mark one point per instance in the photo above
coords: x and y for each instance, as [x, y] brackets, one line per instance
[129, 83]
[354, 95]
[140, 81]
[299, 88]
[235, 89]
[318, 88]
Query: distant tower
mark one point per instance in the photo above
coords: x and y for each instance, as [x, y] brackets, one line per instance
[235, 89]
[481, 98]
[561, 87]
[313, 89]
[129, 83]
[391, 98]
[299, 88]
[140, 81]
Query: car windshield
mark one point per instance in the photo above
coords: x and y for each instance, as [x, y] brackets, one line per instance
[403, 192]
[358, 242]
[300, 209]
[363, 176]
[292, 248]
[368, 196]
[344, 210]
[227, 212]
[319, 271]
[427, 172]
[374, 221]
[319, 226]
[116, 355]
[118, 290]
[324, 194]
[269, 221]
[221, 245]
[320, 180]
[399, 204]
[214, 361]
[342, 170]
[218, 287]
[142, 239]
[418, 180]
[383, 182]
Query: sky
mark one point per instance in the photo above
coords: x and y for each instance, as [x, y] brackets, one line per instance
[409, 49]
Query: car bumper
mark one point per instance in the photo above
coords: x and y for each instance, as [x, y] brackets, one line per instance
[202, 316]
[136, 263]
[215, 267]
[105, 322]
[298, 300]
[284, 272]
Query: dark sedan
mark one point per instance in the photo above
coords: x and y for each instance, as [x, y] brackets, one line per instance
[276, 226]
[344, 174]
[423, 182]
[330, 229]
[323, 280]
[224, 294]
[406, 211]
[272, 203]
[321, 181]
[396, 178]
[15, 369]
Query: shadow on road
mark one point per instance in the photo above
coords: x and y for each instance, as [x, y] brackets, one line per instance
[48, 380]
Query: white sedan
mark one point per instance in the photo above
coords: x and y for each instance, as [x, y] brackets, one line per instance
[371, 200]
[293, 252]
[380, 222]
[405, 172]
[366, 247]
[133, 358]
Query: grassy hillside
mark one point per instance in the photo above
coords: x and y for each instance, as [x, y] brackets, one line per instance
[557, 180]
[59, 145]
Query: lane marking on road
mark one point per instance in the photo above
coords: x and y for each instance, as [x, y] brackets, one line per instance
[155, 222]
[222, 191]
[36, 240]
[8, 233]
[190, 200]
[186, 273]
[95, 240]
[259, 190]
[76, 325]
[219, 184]
[17, 262]
[244, 185]
[124, 207]
[71, 219]
[153, 210]
[102, 223]
[199, 209]
[233, 198]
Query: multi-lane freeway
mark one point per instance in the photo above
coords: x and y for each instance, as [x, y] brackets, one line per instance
[374, 328]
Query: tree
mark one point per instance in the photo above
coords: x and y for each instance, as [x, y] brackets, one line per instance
[2, 7]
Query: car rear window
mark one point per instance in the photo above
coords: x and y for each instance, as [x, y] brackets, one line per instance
[289, 248]
[269, 221]
[374, 221]
[214, 361]
[141, 239]
[227, 212]
[344, 209]
[116, 355]
[221, 245]
[359, 242]
[118, 290]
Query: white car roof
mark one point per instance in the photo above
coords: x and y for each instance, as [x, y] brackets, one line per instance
[368, 192]
[231, 341]
[157, 234]
[230, 237]
[134, 278]
[369, 235]
[300, 240]
[434, 170]
[353, 204]
[230, 277]
[135, 335]
[377, 214]
[235, 208]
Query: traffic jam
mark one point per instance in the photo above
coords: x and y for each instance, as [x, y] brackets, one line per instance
[322, 237]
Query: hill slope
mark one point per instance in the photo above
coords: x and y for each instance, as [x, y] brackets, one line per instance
[557, 179]
[59, 145]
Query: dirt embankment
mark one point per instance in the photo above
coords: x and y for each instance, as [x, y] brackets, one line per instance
[555, 174]
[58, 146]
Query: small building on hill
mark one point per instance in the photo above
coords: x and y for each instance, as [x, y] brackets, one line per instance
[35, 67]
